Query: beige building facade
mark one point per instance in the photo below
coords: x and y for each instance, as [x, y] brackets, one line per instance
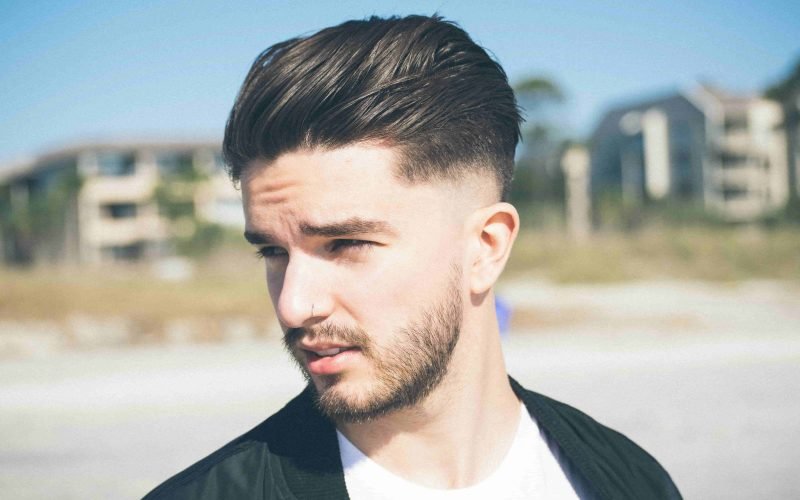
[724, 151]
[103, 202]
[748, 174]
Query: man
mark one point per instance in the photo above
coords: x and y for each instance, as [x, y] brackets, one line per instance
[374, 158]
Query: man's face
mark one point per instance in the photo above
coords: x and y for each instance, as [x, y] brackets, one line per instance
[364, 271]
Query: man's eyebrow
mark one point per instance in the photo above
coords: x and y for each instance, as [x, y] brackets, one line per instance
[347, 227]
[256, 238]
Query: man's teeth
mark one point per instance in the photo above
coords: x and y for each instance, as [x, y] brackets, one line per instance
[330, 352]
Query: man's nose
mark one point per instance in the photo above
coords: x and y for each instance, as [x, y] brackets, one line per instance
[305, 297]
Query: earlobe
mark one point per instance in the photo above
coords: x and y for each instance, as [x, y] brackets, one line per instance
[496, 229]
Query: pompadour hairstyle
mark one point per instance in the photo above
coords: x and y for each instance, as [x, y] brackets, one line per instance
[419, 84]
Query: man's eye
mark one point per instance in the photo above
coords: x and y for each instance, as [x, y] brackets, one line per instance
[346, 244]
[270, 252]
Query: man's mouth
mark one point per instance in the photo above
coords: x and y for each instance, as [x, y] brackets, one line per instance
[330, 352]
[329, 360]
[327, 353]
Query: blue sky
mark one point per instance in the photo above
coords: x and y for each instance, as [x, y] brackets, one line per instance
[74, 71]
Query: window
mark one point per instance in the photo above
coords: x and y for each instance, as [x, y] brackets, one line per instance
[123, 252]
[735, 122]
[174, 164]
[119, 210]
[732, 160]
[116, 164]
[732, 193]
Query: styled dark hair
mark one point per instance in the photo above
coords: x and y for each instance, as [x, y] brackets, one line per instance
[416, 83]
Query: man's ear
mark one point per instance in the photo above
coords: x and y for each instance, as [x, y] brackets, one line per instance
[494, 230]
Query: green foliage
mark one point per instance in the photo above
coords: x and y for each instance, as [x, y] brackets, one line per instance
[180, 168]
[543, 215]
[41, 217]
[204, 238]
[174, 195]
[792, 211]
[784, 88]
[696, 252]
[532, 185]
[788, 216]
[680, 213]
[538, 197]
[613, 212]
[610, 211]
[175, 192]
[175, 199]
[538, 89]
[538, 179]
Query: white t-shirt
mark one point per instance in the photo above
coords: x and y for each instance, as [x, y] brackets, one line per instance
[529, 470]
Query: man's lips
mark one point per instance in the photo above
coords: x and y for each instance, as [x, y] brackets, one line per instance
[329, 359]
[330, 351]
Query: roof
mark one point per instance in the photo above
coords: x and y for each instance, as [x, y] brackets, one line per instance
[612, 116]
[29, 165]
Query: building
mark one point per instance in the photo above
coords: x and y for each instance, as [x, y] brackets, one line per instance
[112, 201]
[724, 151]
[787, 92]
[652, 149]
[791, 106]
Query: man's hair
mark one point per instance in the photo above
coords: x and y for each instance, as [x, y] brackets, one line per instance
[418, 84]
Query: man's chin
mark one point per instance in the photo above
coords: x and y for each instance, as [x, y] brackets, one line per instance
[343, 401]
[323, 384]
[339, 390]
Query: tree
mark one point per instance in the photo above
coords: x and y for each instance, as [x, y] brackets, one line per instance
[784, 89]
[539, 178]
[534, 92]
[39, 227]
[175, 197]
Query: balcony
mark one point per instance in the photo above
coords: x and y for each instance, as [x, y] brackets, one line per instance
[108, 232]
[744, 207]
[748, 176]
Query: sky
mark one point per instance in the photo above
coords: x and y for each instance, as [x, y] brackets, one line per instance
[105, 69]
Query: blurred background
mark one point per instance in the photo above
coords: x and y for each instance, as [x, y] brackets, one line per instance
[655, 284]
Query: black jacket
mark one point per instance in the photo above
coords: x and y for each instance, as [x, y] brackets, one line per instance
[294, 454]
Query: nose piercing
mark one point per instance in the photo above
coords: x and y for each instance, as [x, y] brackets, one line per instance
[312, 310]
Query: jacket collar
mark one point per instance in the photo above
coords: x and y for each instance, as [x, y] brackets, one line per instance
[308, 449]
[583, 475]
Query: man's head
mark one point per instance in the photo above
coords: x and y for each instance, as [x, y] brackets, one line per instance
[372, 158]
[417, 84]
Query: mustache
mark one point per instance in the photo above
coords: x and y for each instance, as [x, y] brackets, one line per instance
[355, 337]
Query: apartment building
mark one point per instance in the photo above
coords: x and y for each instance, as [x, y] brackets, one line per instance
[100, 202]
[653, 149]
[789, 96]
[724, 150]
[749, 175]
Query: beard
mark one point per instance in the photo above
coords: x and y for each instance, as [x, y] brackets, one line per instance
[406, 371]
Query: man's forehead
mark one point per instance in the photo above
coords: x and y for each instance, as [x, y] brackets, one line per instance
[361, 180]
[348, 176]
[377, 158]
[358, 163]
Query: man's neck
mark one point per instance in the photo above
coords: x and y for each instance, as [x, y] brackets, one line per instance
[459, 434]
